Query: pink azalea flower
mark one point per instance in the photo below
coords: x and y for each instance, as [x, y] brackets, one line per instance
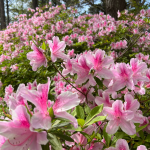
[143, 12]
[123, 77]
[141, 147]
[133, 105]
[2, 140]
[68, 67]
[16, 99]
[140, 89]
[121, 144]
[65, 101]
[84, 89]
[14, 67]
[138, 68]
[100, 63]
[9, 89]
[32, 86]
[18, 132]
[139, 56]
[57, 48]
[37, 58]
[95, 146]
[104, 100]
[83, 68]
[119, 14]
[119, 118]
[79, 138]
[39, 98]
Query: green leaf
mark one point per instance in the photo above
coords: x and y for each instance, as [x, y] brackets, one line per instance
[87, 109]
[107, 136]
[81, 122]
[45, 147]
[80, 112]
[119, 135]
[61, 125]
[140, 128]
[51, 112]
[99, 118]
[141, 133]
[43, 46]
[71, 127]
[74, 113]
[63, 136]
[133, 136]
[78, 129]
[147, 138]
[86, 135]
[99, 82]
[54, 141]
[98, 136]
[95, 111]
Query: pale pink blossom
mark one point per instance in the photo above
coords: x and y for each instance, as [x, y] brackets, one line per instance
[119, 14]
[39, 98]
[142, 12]
[57, 48]
[65, 101]
[139, 56]
[138, 69]
[133, 105]
[100, 63]
[104, 100]
[83, 68]
[18, 132]
[2, 140]
[123, 77]
[121, 144]
[37, 58]
[16, 99]
[141, 147]
[119, 118]
[14, 67]
[68, 67]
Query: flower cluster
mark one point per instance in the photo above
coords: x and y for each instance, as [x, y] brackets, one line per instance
[93, 102]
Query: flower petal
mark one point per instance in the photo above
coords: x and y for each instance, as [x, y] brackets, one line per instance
[67, 116]
[112, 127]
[39, 120]
[66, 101]
[122, 144]
[127, 128]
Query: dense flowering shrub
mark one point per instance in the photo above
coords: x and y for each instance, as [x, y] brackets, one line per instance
[75, 82]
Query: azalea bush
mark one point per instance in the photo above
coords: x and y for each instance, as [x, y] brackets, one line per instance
[72, 82]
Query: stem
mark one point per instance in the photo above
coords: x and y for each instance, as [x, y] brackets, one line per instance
[67, 80]
[87, 94]
[7, 115]
[146, 111]
[145, 100]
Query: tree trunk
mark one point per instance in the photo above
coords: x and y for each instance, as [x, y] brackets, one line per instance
[34, 4]
[112, 7]
[55, 2]
[7, 5]
[2, 14]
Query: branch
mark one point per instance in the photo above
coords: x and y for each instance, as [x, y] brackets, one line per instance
[143, 2]
[94, 5]
[67, 80]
